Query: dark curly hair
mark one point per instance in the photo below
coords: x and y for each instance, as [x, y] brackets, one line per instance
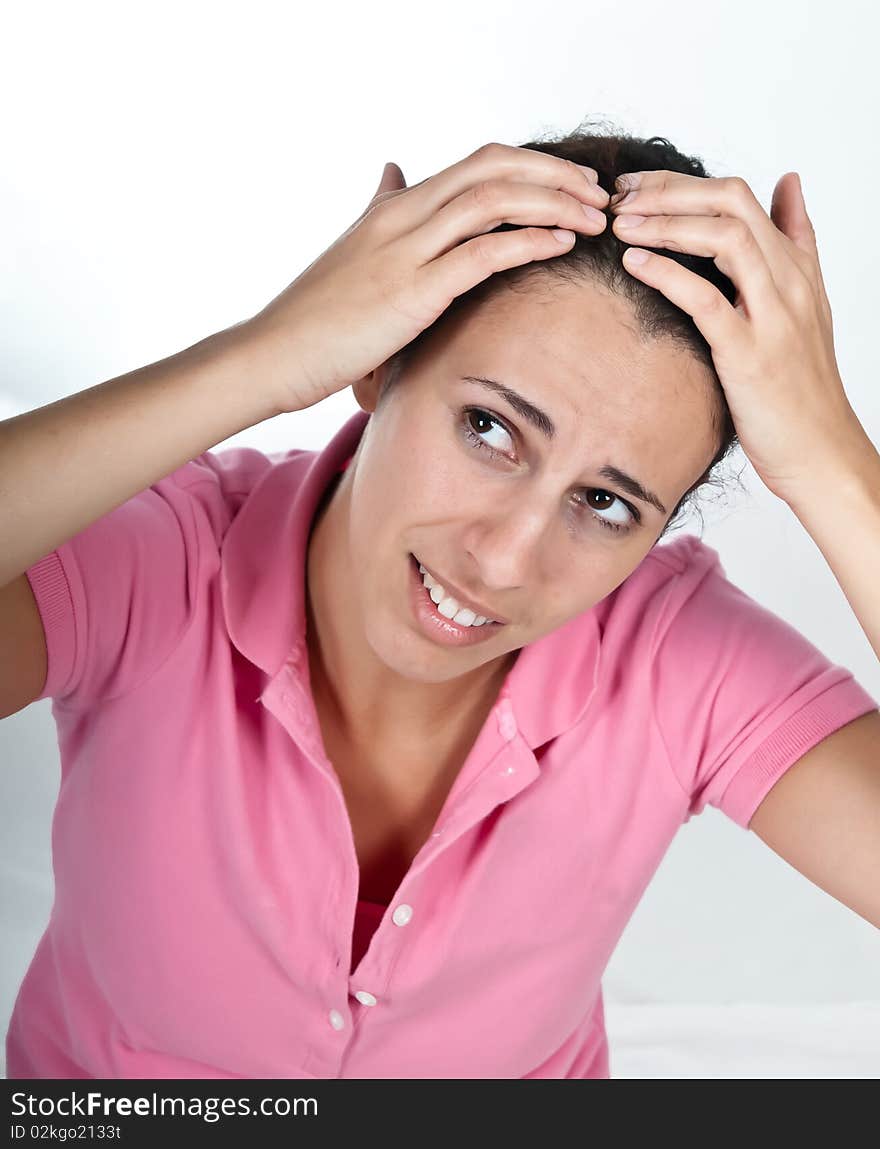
[597, 258]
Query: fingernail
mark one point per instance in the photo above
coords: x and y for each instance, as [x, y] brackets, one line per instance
[590, 173]
[630, 195]
[593, 213]
[629, 180]
[626, 185]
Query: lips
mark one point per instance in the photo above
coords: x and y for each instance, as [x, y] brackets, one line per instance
[461, 598]
[437, 627]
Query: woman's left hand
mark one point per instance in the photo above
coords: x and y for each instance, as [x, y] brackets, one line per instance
[773, 347]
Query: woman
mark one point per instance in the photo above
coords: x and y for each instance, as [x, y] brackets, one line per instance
[368, 754]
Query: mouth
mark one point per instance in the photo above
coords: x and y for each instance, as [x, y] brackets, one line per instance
[436, 612]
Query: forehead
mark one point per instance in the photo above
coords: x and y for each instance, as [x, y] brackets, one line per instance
[614, 395]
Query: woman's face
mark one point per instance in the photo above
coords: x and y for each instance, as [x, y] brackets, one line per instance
[519, 516]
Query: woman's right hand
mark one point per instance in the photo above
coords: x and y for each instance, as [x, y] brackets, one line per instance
[409, 254]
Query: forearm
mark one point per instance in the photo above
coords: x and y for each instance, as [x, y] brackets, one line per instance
[841, 513]
[65, 465]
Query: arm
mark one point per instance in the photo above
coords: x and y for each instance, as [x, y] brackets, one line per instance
[773, 348]
[823, 815]
[65, 465]
[839, 508]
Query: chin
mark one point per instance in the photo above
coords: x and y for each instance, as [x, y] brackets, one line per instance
[408, 660]
[409, 657]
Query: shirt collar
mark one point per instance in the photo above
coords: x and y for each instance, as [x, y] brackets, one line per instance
[262, 579]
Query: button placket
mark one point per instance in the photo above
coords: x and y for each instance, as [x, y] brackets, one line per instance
[402, 914]
[336, 1019]
[507, 722]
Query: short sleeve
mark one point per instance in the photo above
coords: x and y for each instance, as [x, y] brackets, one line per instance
[116, 599]
[740, 695]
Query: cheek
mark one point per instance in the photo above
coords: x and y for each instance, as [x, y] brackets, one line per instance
[561, 604]
[394, 509]
[431, 490]
[580, 587]
[422, 470]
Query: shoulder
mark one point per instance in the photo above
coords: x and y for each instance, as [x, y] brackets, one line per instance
[222, 481]
[650, 597]
[234, 470]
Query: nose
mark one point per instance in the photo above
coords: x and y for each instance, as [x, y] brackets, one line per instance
[506, 550]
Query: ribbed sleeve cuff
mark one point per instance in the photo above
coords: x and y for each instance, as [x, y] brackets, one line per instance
[841, 703]
[51, 588]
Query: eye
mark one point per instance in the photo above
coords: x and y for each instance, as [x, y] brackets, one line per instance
[613, 524]
[475, 415]
[472, 416]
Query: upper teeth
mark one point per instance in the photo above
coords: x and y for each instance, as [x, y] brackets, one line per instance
[449, 606]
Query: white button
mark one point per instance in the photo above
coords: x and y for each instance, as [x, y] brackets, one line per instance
[365, 998]
[402, 915]
[336, 1019]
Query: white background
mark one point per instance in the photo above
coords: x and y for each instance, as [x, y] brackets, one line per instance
[168, 168]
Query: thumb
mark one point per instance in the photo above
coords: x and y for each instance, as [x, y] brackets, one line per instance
[788, 211]
[392, 180]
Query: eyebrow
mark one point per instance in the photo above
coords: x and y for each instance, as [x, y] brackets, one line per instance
[542, 421]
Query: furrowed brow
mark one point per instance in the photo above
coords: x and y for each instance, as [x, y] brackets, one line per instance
[543, 423]
[538, 418]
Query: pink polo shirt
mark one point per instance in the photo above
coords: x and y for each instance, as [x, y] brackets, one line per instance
[205, 922]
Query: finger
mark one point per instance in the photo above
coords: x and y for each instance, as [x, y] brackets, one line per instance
[469, 263]
[788, 210]
[789, 213]
[725, 239]
[674, 193]
[483, 208]
[720, 323]
[497, 162]
[390, 185]
[392, 181]
[392, 178]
